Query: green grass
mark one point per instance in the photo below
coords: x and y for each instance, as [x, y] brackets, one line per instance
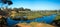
[32, 15]
[57, 17]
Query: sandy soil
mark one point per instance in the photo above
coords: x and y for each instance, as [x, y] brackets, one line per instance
[36, 25]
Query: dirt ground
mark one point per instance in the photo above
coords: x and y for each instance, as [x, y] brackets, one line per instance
[36, 25]
[3, 26]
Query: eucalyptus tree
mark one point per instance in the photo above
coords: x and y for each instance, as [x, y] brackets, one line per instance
[8, 2]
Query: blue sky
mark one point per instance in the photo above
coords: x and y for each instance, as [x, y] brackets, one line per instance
[37, 4]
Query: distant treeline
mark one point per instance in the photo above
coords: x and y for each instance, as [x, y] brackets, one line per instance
[16, 9]
[25, 9]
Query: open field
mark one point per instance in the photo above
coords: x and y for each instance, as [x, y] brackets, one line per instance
[35, 14]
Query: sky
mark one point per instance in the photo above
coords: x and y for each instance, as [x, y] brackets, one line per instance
[37, 4]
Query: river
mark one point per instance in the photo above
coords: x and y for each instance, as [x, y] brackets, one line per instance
[46, 19]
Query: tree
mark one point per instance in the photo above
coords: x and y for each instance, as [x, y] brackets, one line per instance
[26, 9]
[6, 1]
[21, 9]
[9, 2]
[16, 9]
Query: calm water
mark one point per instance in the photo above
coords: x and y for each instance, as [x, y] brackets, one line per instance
[46, 19]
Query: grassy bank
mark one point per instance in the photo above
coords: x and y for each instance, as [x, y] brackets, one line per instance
[35, 14]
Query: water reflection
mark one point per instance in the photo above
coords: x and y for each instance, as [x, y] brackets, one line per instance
[45, 19]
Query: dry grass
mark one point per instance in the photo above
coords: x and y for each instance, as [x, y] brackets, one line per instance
[34, 24]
